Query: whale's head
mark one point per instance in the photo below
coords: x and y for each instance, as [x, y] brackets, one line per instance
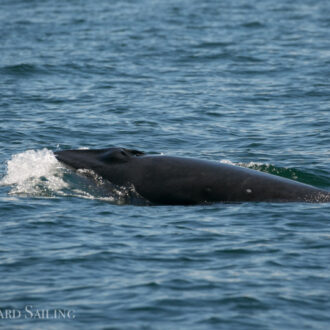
[112, 164]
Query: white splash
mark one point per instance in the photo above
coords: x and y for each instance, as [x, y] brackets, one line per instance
[35, 172]
[252, 165]
[227, 161]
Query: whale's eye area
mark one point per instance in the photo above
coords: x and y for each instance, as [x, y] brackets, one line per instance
[117, 155]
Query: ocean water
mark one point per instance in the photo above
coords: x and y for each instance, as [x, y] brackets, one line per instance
[245, 82]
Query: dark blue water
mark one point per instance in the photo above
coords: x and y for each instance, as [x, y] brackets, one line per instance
[245, 82]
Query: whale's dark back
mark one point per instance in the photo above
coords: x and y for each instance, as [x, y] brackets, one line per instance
[178, 180]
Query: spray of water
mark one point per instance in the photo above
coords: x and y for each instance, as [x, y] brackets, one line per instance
[34, 172]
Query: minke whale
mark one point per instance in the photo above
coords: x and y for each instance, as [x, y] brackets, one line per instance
[185, 181]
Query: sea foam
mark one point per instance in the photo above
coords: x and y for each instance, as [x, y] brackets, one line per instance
[34, 172]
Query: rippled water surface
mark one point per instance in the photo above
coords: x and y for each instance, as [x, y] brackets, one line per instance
[244, 82]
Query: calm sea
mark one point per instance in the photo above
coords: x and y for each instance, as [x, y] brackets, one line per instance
[244, 82]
